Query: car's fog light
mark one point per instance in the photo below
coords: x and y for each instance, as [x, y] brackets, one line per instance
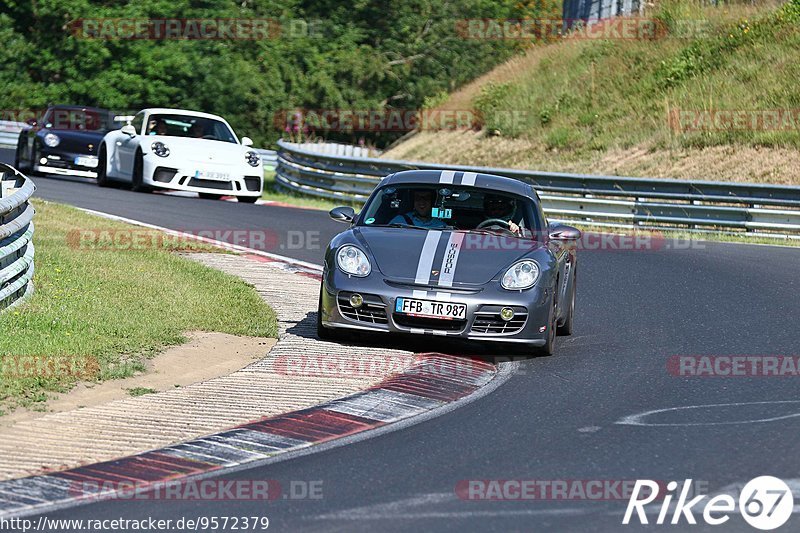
[356, 300]
[43, 161]
[506, 313]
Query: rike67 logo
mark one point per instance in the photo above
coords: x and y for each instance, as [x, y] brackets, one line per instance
[766, 503]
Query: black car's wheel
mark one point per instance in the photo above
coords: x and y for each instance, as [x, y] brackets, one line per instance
[247, 199]
[565, 328]
[326, 334]
[549, 345]
[209, 196]
[102, 178]
[18, 154]
[137, 179]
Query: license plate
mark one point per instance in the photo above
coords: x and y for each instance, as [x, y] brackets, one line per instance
[216, 176]
[425, 308]
[86, 161]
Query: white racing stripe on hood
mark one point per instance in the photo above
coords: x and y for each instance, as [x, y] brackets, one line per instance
[426, 257]
[447, 176]
[450, 260]
[469, 178]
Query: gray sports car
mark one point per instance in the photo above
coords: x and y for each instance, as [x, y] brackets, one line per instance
[455, 254]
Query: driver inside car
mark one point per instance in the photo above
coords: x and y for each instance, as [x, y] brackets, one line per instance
[420, 216]
[496, 207]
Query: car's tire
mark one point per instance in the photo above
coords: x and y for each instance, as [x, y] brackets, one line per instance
[565, 329]
[326, 334]
[210, 196]
[137, 178]
[18, 154]
[102, 178]
[247, 199]
[550, 343]
[32, 162]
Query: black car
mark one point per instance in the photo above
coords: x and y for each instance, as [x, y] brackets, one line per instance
[64, 141]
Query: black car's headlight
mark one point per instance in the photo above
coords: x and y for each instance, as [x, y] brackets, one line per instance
[353, 261]
[521, 275]
[51, 140]
[160, 149]
[253, 159]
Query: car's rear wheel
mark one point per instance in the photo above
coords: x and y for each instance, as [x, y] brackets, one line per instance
[247, 199]
[102, 178]
[565, 329]
[210, 196]
[137, 179]
[18, 153]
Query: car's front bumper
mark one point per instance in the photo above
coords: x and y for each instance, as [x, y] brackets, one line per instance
[158, 172]
[532, 309]
[63, 164]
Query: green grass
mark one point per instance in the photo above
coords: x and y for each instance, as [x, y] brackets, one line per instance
[140, 391]
[593, 95]
[99, 313]
[275, 194]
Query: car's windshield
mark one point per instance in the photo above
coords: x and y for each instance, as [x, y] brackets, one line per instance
[452, 207]
[189, 126]
[60, 118]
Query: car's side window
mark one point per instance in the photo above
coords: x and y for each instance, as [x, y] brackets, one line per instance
[137, 122]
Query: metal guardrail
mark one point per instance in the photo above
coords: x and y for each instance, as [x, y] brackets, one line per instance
[651, 203]
[16, 237]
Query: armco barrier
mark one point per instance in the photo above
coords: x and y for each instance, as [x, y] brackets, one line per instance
[651, 203]
[16, 237]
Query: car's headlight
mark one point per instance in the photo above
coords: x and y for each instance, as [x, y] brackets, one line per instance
[353, 261]
[253, 159]
[160, 149]
[51, 140]
[521, 275]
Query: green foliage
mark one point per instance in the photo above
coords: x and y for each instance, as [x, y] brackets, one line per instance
[361, 55]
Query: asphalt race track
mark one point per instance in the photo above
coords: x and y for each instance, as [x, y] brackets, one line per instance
[556, 418]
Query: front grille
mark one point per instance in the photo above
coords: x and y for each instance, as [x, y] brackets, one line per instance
[372, 310]
[419, 322]
[492, 323]
[164, 175]
[210, 184]
[253, 183]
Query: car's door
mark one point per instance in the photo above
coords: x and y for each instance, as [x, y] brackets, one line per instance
[125, 148]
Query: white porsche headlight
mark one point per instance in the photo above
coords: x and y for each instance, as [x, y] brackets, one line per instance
[51, 140]
[522, 275]
[253, 159]
[160, 149]
[353, 261]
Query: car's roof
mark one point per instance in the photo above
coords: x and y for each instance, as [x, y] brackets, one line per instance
[483, 181]
[168, 111]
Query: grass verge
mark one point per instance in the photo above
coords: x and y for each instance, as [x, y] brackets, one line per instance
[99, 312]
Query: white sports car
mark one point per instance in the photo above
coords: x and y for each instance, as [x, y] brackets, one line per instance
[184, 151]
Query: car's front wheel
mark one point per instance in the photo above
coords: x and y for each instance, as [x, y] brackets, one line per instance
[247, 199]
[325, 334]
[550, 341]
[102, 178]
[137, 178]
[209, 196]
[566, 327]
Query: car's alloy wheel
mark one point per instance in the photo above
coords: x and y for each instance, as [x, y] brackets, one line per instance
[137, 179]
[247, 199]
[210, 196]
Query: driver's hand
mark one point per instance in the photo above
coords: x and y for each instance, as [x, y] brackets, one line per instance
[514, 228]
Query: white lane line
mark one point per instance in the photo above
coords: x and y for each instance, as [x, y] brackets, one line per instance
[215, 242]
[638, 419]
[426, 257]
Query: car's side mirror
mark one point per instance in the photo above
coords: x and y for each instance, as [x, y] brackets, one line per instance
[128, 130]
[31, 122]
[562, 232]
[343, 214]
[247, 141]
